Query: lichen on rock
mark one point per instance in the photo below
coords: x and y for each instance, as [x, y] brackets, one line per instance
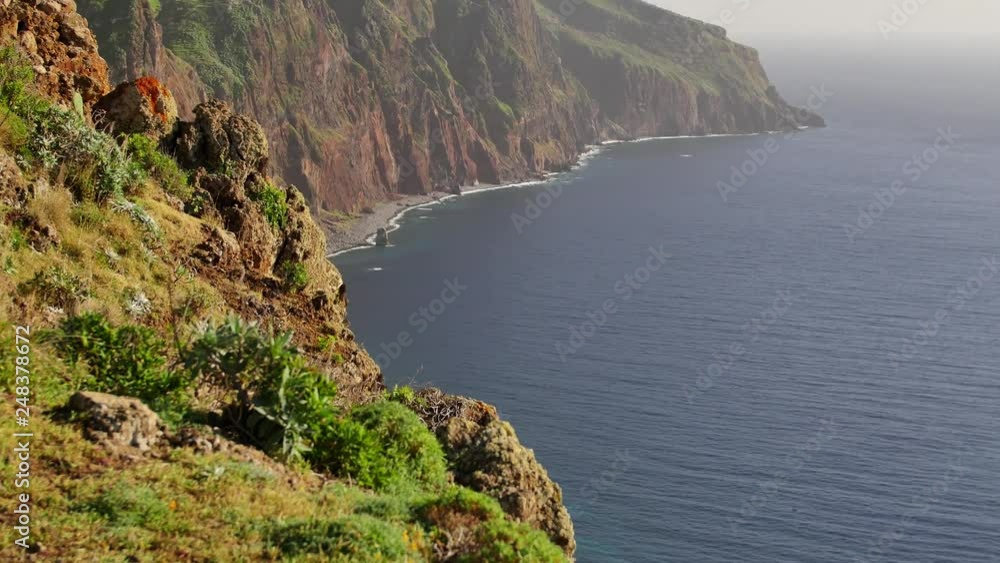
[143, 106]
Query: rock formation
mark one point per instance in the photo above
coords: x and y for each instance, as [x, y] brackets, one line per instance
[117, 421]
[60, 47]
[140, 106]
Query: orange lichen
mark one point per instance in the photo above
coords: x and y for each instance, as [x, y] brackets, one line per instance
[151, 89]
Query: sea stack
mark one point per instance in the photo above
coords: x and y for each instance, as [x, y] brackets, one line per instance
[382, 237]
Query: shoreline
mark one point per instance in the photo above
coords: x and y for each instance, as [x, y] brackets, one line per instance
[359, 233]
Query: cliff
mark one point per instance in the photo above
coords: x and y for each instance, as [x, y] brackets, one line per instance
[366, 98]
[182, 318]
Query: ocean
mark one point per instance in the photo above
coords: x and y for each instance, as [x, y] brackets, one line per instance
[750, 348]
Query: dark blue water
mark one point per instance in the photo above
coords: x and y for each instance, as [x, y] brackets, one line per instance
[777, 389]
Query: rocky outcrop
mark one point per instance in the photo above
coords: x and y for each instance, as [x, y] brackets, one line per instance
[489, 458]
[59, 46]
[142, 106]
[117, 421]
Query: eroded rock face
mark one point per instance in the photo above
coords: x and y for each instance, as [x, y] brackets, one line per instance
[489, 458]
[221, 140]
[59, 45]
[142, 106]
[117, 421]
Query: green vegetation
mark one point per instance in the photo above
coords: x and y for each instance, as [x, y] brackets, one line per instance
[384, 446]
[356, 538]
[272, 202]
[57, 287]
[213, 37]
[162, 168]
[124, 360]
[294, 275]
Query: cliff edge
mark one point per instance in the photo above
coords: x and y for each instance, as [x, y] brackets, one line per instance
[180, 314]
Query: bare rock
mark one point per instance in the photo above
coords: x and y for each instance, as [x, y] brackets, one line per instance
[142, 106]
[12, 184]
[222, 141]
[59, 45]
[219, 249]
[382, 237]
[117, 421]
[489, 458]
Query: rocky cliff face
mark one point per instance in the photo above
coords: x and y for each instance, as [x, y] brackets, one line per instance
[365, 98]
[654, 73]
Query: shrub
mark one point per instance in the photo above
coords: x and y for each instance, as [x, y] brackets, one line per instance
[503, 541]
[384, 446]
[159, 166]
[124, 360]
[294, 276]
[58, 287]
[271, 201]
[16, 98]
[93, 164]
[265, 379]
[435, 510]
[357, 537]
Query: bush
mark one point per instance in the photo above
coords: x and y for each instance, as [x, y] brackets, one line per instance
[93, 164]
[57, 287]
[124, 360]
[16, 99]
[436, 510]
[294, 276]
[265, 379]
[271, 201]
[357, 537]
[159, 166]
[383, 446]
[503, 541]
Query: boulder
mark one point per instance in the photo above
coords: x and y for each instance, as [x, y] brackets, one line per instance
[490, 459]
[117, 421]
[382, 237]
[142, 106]
[222, 141]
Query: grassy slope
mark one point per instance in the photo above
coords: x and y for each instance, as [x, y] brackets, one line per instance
[647, 37]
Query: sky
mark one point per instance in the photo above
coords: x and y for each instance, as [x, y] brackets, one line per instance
[742, 17]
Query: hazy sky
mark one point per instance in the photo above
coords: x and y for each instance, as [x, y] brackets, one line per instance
[839, 16]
